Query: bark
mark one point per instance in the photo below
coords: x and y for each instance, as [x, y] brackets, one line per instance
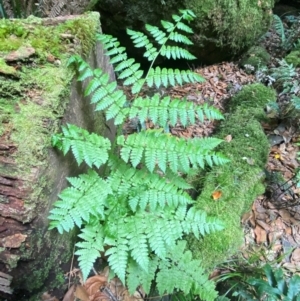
[32, 177]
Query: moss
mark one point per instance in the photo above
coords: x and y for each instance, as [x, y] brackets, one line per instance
[240, 181]
[256, 56]
[5, 69]
[47, 39]
[293, 58]
[237, 23]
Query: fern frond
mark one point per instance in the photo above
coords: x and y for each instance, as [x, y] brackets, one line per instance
[88, 250]
[184, 273]
[136, 276]
[107, 97]
[176, 52]
[118, 257]
[197, 222]
[78, 203]
[179, 152]
[145, 190]
[180, 38]
[165, 77]
[279, 27]
[90, 148]
[165, 110]
[157, 34]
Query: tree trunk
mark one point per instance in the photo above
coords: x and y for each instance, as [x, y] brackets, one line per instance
[38, 93]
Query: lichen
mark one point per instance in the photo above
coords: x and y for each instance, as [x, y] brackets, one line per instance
[239, 181]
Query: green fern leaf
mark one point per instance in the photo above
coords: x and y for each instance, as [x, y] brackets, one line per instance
[137, 242]
[184, 27]
[89, 249]
[184, 273]
[175, 148]
[137, 276]
[78, 203]
[180, 38]
[169, 27]
[91, 148]
[157, 77]
[118, 257]
[279, 27]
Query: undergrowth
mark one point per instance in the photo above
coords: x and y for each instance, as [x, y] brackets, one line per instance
[138, 212]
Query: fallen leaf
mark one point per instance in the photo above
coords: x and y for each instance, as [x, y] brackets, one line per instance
[277, 156]
[81, 293]
[217, 194]
[69, 296]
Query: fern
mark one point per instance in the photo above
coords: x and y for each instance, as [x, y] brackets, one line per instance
[79, 202]
[279, 28]
[90, 148]
[164, 150]
[165, 110]
[139, 213]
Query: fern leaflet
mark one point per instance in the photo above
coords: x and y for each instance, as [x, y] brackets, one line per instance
[163, 111]
[90, 148]
[180, 153]
[77, 204]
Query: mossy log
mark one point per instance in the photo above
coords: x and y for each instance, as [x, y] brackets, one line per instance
[240, 181]
[36, 98]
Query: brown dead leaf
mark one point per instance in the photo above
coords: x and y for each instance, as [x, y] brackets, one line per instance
[260, 235]
[81, 293]
[264, 225]
[69, 296]
[94, 283]
[296, 256]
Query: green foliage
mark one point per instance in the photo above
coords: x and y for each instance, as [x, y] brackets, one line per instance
[138, 214]
[275, 287]
[278, 25]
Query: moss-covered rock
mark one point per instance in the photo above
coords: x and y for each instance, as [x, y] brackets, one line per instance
[256, 57]
[239, 181]
[222, 28]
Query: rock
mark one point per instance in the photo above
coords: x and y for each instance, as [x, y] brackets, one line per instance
[33, 106]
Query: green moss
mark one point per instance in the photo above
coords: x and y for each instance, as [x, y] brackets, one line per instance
[240, 181]
[47, 39]
[293, 58]
[256, 56]
[5, 69]
[237, 23]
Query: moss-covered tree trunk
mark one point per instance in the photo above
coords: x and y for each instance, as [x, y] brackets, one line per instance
[38, 93]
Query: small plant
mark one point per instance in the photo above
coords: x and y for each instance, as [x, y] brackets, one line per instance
[138, 212]
[275, 287]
